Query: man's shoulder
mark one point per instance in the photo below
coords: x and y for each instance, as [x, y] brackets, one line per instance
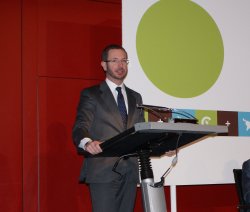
[129, 90]
[94, 88]
[246, 165]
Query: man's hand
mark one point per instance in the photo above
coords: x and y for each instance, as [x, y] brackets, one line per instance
[93, 147]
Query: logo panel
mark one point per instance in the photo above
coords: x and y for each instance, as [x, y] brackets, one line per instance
[244, 123]
[229, 118]
[206, 117]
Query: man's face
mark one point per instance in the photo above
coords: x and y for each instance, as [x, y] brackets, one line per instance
[116, 66]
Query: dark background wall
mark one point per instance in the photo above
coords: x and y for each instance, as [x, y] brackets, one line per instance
[50, 51]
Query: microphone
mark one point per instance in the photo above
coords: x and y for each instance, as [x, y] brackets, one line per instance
[156, 108]
[155, 111]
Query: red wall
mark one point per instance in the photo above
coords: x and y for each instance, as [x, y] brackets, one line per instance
[50, 50]
[11, 106]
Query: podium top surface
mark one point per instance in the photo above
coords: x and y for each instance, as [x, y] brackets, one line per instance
[180, 127]
[158, 137]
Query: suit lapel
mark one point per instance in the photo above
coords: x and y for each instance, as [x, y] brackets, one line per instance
[131, 108]
[110, 104]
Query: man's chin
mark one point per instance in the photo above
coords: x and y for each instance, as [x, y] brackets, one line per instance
[120, 77]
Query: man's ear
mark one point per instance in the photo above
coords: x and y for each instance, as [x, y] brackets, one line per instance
[104, 65]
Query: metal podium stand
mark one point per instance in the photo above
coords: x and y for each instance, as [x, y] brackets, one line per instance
[154, 139]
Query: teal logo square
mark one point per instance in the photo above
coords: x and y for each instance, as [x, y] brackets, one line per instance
[183, 113]
[244, 123]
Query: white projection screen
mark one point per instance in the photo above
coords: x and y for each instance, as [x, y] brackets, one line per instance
[209, 161]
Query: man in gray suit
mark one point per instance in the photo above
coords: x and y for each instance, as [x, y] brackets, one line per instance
[98, 119]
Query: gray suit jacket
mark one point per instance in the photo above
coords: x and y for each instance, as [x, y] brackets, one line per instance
[98, 118]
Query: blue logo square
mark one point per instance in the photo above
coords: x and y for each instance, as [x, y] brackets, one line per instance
[183, 113]
[244, 123]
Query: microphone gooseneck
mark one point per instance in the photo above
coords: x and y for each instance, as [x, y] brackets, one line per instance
[153, 110]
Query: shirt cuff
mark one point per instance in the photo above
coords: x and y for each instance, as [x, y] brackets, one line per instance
[83, 142]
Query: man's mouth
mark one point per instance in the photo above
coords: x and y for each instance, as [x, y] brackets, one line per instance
[120, 71]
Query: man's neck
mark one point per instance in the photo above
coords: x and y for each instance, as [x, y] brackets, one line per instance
[117, 82]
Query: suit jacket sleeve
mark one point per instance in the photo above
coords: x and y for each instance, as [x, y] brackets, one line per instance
[84, 117]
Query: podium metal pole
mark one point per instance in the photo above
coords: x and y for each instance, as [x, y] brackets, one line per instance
[153, 197]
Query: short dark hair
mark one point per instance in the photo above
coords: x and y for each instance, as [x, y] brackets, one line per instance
[105, 51]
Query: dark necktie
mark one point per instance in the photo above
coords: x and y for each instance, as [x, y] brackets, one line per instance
[122, 107]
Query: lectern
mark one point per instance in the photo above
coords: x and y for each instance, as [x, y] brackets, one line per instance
[154, 139]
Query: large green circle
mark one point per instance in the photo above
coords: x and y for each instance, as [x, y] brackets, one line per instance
[180, 48]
